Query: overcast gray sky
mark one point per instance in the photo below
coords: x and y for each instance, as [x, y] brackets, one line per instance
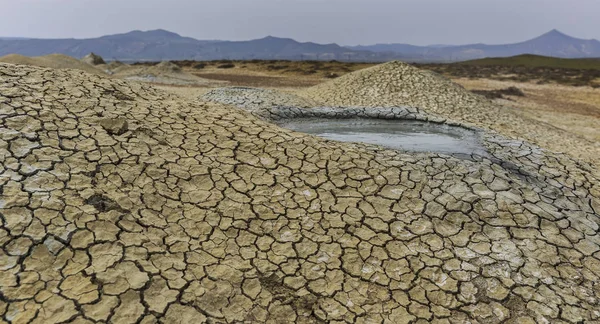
[346, 22]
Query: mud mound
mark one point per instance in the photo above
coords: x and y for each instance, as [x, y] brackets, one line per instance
[162, 73]
[115, 67]
[396, 84]
[53, 61]
[167, 67]
[121, 203]
[255, 98]
[115, 64]
[93, 59]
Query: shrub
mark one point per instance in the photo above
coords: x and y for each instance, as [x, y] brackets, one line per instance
[499, 94]
[226, 66]
[274, 67]
[512, 91]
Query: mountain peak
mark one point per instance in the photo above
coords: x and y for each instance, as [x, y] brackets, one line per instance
[162, 32]
[146, 35]
[269, 37]
[275, 39]
[555, 33]
[155, 33]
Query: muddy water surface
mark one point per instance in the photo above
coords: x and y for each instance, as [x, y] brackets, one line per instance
[408, 135]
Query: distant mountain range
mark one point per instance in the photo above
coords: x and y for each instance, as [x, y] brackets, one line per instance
[11, 38]
[160, 44]
[553, 43]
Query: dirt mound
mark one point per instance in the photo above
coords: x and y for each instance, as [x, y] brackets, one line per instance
[93, 59]
[167, 67]
[161, 73]
[395, 84]
[398, 84]
[53, 61]
[255, 98]
[114, 67]
[121, 203]
[115, 64]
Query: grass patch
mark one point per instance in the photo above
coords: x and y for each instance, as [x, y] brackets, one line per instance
[500, 93]
[529, 60]
[525, 68]
[226, 66]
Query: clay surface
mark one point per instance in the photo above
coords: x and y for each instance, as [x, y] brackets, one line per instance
[122, 203]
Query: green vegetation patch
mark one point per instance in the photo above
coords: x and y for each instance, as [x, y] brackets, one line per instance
[529, 60]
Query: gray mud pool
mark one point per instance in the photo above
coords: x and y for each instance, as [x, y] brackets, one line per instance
[408, 135]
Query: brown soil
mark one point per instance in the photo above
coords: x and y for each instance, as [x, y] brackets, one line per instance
[269, 74]
[572, 109]
[540, 75]
[310, 68]
[500, 93]
[249, 80]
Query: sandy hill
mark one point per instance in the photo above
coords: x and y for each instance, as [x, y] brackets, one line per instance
[398, 84]
[53, 61]
[121, 203]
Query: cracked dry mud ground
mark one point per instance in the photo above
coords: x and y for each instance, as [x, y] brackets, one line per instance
[255, 98]
[121, 203]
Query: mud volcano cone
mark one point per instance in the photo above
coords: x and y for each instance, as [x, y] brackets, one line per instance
[168, 67]
[93, 59]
